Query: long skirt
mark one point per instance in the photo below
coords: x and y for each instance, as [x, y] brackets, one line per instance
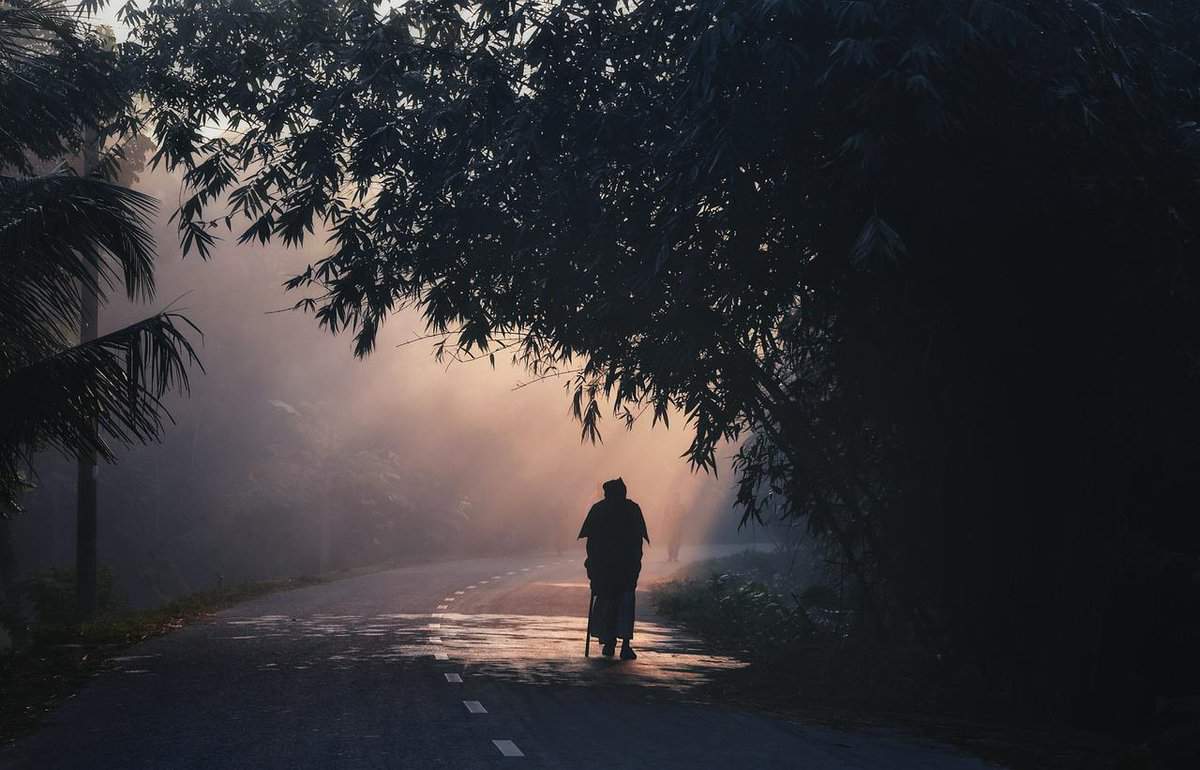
[612, 617]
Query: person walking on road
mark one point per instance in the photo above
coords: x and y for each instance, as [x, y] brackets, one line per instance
[615, 529]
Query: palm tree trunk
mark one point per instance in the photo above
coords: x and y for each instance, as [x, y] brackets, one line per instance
[85, 514]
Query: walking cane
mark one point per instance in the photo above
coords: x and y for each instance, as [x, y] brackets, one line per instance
[587, 632]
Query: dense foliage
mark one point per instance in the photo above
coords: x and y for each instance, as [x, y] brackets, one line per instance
[797, 635]
[64, 234]
[930, 261]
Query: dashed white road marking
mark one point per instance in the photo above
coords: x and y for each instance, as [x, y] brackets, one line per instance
[474, 707]
[523, 569]
[440, 656]
[442, 606]
[459, 593]
[484, 582]
[472, 588]
[508, 748]
[512, 572]
[448, 599]
[435, 640]
[541, 566]
[454, 678]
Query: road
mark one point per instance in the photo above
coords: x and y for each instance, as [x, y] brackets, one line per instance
[463, 664]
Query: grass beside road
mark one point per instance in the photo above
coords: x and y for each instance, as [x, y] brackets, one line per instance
[59, 657]
[808, 662]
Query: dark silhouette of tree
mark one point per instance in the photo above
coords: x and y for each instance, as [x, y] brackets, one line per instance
[929, 261]
[63, 235]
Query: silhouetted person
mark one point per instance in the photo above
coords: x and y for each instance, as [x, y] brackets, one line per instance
[615, 529]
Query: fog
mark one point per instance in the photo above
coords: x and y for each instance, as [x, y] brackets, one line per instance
[292, 457]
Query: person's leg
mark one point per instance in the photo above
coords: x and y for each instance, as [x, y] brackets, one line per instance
[624, 624]
[627, 652]
[606, 626]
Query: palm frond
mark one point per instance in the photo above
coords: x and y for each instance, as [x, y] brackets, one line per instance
[81, 398]
[57, 78]
[30, 28]
[60, 232]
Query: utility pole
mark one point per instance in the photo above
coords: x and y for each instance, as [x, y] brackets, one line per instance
[85, 512]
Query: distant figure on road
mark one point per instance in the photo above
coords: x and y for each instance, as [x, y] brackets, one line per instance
[615, 529]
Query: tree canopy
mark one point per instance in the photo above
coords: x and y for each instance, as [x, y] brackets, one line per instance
[929, 261]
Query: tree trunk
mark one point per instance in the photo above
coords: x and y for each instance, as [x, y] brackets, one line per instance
[85, 515]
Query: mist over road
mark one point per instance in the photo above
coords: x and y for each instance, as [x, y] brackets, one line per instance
[458, 664]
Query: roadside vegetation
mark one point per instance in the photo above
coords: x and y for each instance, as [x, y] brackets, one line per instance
[804, 630]
[799, 630]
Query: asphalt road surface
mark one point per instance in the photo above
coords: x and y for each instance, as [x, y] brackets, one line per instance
[463, 664]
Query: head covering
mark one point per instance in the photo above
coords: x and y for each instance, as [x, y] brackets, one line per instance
[615, 489]
[615, 513]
